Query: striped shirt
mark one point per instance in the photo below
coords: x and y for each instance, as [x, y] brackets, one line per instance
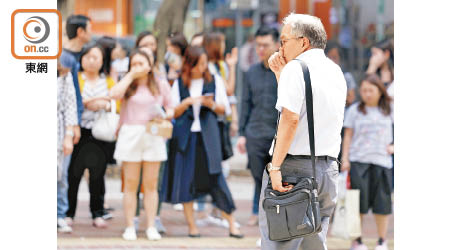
[90, 90]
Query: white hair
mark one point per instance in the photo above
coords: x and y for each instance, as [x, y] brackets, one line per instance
[308, 26]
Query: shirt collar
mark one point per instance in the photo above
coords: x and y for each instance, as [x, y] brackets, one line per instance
[310, 54]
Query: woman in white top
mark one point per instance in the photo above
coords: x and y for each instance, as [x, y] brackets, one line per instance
[194, 164]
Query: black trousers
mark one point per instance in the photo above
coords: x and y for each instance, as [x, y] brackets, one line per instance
[90, 154]
[258, 157]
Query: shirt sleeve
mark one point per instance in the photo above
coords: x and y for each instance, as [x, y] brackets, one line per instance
[350, 115]
[70, 102]
[291, 93]
[175, 94]
[221, 94]
[246, 105]
[350, 80]
[166, 94]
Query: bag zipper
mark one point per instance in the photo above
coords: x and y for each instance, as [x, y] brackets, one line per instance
[287, 204]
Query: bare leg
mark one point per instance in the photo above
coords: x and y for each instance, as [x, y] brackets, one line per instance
[150, 181]
[230, 219]
[189, 215]
[131, 171]
[382, 222]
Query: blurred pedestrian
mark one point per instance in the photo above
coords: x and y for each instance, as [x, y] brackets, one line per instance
[224, 67]
[197, 39]
[67, 120]
[137, 148]
[176, 45]
[367, 149]
[146, 39]
[334, 52]
[158, 222]
[381, 62]
[258, 118]
[78, 30]
[119, 62]
[194, 165]
[247, 54]
[303, 38]
[90, 153]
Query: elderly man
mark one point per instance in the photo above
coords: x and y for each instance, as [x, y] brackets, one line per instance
[303, 38]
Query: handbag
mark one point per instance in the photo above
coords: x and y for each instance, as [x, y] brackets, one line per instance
[346, 218]
[296, 213]
[105, 124]
[160, 127]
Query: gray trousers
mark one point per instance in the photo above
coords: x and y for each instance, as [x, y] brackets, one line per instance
[327, 175]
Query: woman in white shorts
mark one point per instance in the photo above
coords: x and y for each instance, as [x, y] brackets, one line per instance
[135, 148]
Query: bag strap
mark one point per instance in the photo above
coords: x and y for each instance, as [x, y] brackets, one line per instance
[310, 117]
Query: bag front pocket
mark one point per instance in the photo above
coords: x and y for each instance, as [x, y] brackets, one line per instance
[298, 221]
[277, 223]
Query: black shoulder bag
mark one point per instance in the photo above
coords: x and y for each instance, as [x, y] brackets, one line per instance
[296, 213]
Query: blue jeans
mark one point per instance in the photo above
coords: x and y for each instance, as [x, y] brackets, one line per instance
[63, 186]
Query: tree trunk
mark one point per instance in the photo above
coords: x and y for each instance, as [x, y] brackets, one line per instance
[170, 19]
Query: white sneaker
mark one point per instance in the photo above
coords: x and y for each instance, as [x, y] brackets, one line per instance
[382, 246]
[178, 207]
[225, 224]
[129, 234]
[258, 242]
[69, 221]
[152, 234]
[205, 221]
[63, 227]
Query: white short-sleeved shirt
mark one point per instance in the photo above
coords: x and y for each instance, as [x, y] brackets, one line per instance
[329, 93]
[195, 90]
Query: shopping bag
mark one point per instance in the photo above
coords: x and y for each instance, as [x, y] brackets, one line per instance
[346, 220]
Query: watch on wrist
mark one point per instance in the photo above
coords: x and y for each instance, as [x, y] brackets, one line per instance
[213, 108]
[271, 168]
[70, 133]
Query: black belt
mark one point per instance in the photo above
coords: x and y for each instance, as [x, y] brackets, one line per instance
[308, 157]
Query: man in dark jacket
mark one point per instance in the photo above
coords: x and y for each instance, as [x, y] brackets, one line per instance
[258, 117]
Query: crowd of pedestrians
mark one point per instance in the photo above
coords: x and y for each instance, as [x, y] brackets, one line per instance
[194, 90]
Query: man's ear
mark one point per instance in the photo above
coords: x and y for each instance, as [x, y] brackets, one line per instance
[307, 43]
[80, 31]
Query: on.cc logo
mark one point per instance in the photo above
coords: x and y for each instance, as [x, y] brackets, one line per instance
[36, 29]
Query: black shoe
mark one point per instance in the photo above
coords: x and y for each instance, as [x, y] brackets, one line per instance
[194, 235]
[237, 236]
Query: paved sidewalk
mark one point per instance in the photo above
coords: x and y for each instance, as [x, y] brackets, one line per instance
[85, 236]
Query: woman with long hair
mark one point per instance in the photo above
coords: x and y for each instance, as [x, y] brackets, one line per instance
[136, 148]
[366, 152]
[194, 166]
